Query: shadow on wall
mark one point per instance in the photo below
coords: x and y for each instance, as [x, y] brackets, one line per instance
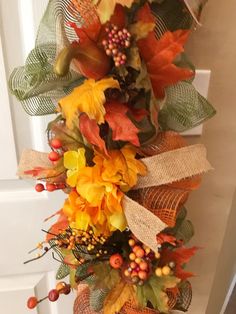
[225, 278]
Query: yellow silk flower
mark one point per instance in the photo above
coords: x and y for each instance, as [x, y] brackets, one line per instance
[100, 218]
[89, 98]
[74, 161]
[121, 168]
[97, 199]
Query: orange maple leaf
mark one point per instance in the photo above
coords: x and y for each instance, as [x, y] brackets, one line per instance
[166, 238]
[61, 224]
[90, 131]
[159, 55]
[122, 127]
[180, 257]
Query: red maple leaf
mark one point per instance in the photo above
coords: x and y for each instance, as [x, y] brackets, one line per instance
[166, 238]
[180, 257]
[159, 55]
[90, 131]
[122, 127]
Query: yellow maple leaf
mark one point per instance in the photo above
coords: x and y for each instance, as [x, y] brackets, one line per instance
[89, 98]
[117, 297]
[140, 29]
[105, 8]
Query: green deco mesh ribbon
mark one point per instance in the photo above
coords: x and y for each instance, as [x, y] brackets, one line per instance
[39, 88]
[35, 84]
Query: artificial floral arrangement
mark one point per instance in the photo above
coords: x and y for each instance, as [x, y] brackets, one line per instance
[115, 74]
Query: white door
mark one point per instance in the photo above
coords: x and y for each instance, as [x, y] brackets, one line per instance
[22, 210]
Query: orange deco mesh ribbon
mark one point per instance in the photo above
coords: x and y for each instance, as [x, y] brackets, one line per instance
[166, 200]
[174, 170]
[81, 305]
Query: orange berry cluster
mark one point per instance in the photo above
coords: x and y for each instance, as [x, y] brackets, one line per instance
[53, 295]
[50, 187]
[54, 157]
[138, 269]
[117, 41]
[71, 237]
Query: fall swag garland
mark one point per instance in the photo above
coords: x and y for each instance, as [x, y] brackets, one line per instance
[116, 75]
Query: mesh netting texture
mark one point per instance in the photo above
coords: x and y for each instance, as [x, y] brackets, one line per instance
[35, 84]
[39, 88]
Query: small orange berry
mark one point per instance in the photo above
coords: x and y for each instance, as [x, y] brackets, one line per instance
[133, 265]
[138, 260]
[126, 273]
[32, 302]
[116, 261]
[140, 253]
[131, 242]
[136, 248]
[132, 256]
[53, 156]
[134, 273]
[143, 265]
[158, 272]
[39, 187]
[142, 275]
[56, 143]
[60, 286]
[166, 270]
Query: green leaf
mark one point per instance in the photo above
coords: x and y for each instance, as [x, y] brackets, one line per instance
[154, 291]
[83, 274]
[107, 277]
[63, 271]
[97, 297]
[185, 231]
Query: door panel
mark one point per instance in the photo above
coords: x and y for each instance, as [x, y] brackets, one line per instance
[22, 210]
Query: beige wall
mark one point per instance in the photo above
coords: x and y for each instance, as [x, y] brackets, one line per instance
[214, 47]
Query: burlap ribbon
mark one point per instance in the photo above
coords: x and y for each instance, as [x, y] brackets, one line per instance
[164, 168]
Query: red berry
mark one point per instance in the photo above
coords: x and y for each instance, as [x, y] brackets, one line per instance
[53, 156]
[56, 143]
[32, 302]
[39, 187]
[116, 261]
[67, 289]
[53, 295]
[50, 187]
[61, 186]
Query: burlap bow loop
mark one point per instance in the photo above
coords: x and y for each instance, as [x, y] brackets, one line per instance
[164, 168]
